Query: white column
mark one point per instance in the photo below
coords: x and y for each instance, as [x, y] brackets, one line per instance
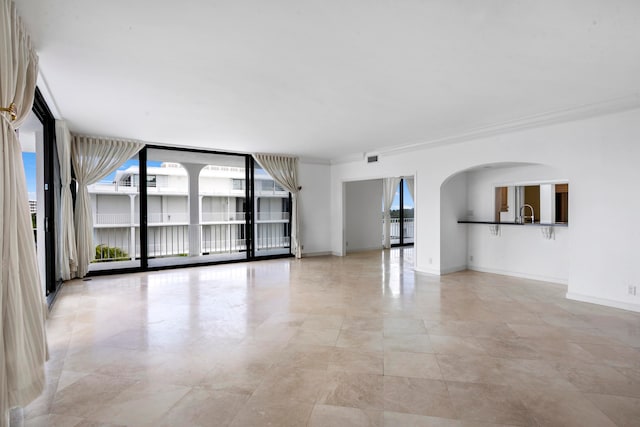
[195, 203]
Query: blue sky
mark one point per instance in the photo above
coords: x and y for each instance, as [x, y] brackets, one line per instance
[408, 201]
[126, 165]
[29, 161]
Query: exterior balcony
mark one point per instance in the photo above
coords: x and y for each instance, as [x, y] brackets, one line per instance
[108, 220]
[223, 217]
[407, 228]
[161, 218]
[109, 187]
[274, 217]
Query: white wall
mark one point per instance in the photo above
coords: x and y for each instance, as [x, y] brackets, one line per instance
[453, 206]
[598, 156]
[520, 251]
[363, 215]
[314, 201]
[111, 204]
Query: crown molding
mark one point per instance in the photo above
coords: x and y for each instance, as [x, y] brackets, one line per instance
[581, 112]
[314, 161]
[350, 158]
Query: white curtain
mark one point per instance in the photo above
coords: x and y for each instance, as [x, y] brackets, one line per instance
[389, 188]
[93, 159]
[284, 171]
[67, 239]
[23, 347]
[411, 186]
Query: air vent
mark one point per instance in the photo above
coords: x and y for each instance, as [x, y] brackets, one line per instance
[372, 159]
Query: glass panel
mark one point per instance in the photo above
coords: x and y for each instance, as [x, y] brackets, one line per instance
[408, 211]
[31, 136]
[223, 216]
[195, 207]
[395, 218]
[115, 204]
[272, 211]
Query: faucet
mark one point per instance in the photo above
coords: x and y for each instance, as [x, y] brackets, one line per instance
[523, 219]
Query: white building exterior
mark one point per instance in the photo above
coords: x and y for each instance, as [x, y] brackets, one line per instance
[220, 228]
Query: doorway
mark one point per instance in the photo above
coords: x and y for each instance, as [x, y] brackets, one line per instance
[402, 214]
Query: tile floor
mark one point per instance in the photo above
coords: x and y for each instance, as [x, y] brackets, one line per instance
[353, 341]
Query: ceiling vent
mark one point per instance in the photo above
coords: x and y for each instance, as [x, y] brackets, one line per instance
[372, 158]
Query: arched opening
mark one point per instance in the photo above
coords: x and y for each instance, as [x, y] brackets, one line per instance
[514, 235]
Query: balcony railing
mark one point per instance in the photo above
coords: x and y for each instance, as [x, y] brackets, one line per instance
[273, 216]
[272, 236]
[113, 219]
[222, 238]
[223, 216]
[168, 217]
[408, 229]
[114, 244]
[167, 240]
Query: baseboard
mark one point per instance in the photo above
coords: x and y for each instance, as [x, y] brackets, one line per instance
[604, 301]
[518, 274]
[312, 254]
[429, 272]
[448, 270]
[370, 248]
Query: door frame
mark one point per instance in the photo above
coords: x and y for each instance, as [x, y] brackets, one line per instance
[43, 113]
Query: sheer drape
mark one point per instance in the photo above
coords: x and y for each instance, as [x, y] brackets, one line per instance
[23, 348]
[67, 239]
[389, 188]
[411, 187]
[93, 159]
[284, 171]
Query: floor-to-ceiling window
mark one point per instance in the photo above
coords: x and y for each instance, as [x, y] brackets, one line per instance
[115, 203]
[185, 207]
[222, 191]
[272, 215]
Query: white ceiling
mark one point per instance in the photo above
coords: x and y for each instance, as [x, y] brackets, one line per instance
[328, 78]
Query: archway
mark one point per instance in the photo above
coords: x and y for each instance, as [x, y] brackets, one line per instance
[506, 248]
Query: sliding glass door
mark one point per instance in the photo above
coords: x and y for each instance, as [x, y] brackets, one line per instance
[169, 207]
[115, 202]
[40, 162]
[196, 208]
[272, 206]
[402, 214]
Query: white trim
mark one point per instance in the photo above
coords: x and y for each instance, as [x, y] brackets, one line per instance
[365, 249]
[604, 301]
[453, 269]
[348, 159]
[521, 275]
[427, 272]
[315, 254]
[314, 161]
[580, 112]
